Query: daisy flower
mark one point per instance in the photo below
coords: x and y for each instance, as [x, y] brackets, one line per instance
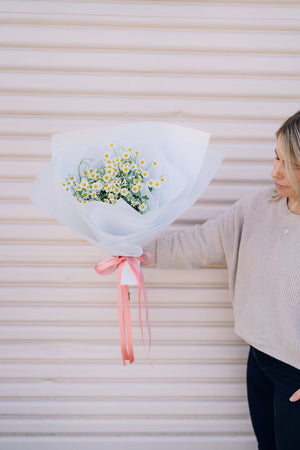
[84, 184]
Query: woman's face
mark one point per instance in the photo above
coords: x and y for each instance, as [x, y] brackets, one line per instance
[282, 182]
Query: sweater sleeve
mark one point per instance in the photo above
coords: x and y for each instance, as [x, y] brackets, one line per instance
[215, 240]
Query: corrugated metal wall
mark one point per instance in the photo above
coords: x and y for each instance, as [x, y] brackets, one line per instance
[230, 68]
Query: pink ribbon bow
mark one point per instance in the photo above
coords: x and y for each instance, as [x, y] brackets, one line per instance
[109, 265]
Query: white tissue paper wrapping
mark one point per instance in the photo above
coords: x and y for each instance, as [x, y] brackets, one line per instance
[183, 160]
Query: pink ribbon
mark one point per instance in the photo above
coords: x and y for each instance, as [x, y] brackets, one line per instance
[109, 265]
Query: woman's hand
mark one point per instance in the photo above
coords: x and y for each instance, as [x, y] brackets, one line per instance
[296, 396]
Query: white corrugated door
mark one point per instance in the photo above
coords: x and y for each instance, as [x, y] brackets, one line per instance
[230, 68]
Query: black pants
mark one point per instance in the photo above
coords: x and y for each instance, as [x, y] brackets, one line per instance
[275, 419]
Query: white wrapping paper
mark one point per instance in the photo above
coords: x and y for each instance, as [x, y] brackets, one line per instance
[182, 158]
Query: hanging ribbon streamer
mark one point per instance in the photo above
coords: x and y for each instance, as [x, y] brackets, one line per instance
[109, 265]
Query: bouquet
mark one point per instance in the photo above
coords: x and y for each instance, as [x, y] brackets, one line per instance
[122, 175]
[119, 187]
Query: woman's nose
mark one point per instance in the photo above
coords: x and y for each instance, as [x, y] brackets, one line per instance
[277, 170]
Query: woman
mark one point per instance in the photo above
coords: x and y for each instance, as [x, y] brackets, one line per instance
[259, 237]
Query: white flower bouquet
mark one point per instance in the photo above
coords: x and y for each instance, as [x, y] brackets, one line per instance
[122, 175]
[119, 187]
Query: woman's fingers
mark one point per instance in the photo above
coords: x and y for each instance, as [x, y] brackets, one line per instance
[296, 396]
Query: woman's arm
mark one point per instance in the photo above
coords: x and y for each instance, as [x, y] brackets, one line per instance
[214, 241]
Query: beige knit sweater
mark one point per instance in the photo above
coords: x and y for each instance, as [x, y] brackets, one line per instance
[260, 241]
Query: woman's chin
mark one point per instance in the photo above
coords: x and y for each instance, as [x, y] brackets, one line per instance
[281, 193]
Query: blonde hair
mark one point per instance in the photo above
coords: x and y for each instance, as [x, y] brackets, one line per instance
[289, 134]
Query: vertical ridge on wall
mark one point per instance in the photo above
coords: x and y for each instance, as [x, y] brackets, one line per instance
[230, 68]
